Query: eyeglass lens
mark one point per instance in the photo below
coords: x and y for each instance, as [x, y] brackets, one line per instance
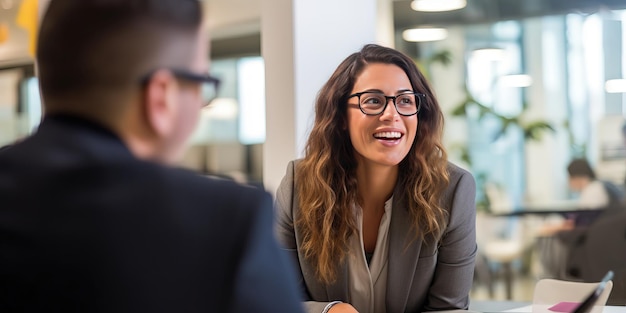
[209, 92]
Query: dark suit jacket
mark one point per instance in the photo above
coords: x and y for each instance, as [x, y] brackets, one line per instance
[425, 275]
[87, 227]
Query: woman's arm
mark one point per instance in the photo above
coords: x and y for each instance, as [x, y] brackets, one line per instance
[285, 231]
[455, 261]
[286, 235]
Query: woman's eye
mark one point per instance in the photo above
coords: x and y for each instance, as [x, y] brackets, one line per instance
[373, 100]
[405, 101]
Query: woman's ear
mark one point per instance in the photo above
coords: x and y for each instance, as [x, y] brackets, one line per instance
[160, 103]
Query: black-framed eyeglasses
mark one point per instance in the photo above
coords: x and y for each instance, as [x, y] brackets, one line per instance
[375, 103]
[210, 84]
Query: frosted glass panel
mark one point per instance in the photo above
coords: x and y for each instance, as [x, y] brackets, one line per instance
[251, 94]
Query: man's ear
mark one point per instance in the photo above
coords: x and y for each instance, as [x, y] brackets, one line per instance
[159, 106]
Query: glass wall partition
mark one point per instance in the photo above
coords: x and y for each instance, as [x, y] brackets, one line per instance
[534, 93]
[522, 97]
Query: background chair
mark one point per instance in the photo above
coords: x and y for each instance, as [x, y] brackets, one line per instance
[602, 248]
[552, 291]
[502, 241]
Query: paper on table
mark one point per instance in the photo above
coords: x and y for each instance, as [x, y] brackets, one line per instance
[564, 307]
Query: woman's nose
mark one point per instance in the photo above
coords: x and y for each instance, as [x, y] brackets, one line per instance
[390, 112]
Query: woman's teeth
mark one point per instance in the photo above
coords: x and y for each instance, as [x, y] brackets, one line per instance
[388, 135]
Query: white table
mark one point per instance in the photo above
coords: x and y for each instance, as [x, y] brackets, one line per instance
[529, 309]
[544, 309]
[524, 307]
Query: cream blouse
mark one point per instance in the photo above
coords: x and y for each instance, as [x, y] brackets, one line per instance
[368, 284]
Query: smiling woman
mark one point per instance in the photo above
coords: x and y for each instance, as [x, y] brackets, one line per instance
[374, 215]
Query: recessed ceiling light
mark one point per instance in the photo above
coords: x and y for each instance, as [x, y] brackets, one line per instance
[518, 81]
[493, 54]
[425, 34]
[437, 5]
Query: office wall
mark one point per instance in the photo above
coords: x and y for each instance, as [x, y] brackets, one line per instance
[9, 122]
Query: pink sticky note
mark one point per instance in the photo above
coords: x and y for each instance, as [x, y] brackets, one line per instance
[564, 307]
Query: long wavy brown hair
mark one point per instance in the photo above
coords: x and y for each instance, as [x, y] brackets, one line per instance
[327, 185]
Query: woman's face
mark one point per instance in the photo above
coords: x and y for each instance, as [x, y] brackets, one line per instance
[383, 139]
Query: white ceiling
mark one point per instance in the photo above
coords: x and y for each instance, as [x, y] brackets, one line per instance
[232, 18]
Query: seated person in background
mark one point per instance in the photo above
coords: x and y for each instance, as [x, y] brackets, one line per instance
[593, 194]
[375, 217]
[607, 223]
[602, 197]
[92, 218]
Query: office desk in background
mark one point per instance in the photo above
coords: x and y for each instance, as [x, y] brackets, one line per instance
[580, 215]
[562, 207]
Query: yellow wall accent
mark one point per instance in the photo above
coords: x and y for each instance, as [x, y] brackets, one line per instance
[27, 18]
[4, 33]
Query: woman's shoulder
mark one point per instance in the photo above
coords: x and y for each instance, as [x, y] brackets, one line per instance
[460, 181]
[291, 165]
[288, 182]
[456, 172]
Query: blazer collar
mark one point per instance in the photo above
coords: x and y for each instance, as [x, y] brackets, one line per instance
[85, 136]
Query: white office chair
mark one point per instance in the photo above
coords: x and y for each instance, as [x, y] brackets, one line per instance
[496, 242]
[549, 292]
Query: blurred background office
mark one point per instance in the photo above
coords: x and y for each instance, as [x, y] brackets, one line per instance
[525, 85]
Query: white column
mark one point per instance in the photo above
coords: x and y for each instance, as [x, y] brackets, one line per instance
[546, 173]
[447, 82]
[612, 49]
[302, 42]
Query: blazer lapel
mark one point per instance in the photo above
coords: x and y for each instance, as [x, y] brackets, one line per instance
[404, 251]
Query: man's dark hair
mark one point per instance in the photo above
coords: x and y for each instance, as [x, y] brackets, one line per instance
[91, 48]
[580, 168]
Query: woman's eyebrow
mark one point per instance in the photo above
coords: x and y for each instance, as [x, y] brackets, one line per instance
[380, 91]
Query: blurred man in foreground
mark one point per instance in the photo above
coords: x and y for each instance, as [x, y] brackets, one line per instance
[91, 217]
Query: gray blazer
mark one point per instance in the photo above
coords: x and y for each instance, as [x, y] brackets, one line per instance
[426, 275]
